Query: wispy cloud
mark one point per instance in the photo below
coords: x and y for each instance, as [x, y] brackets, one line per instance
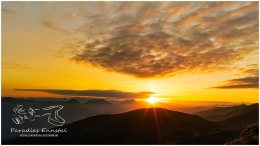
[250, 79]
[52, 26]
[246, 82]
[94, 93]
[13, 65]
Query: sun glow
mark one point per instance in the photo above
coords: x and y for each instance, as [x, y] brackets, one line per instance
[153, 99]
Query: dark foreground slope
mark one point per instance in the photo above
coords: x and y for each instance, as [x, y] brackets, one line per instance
[143, 126]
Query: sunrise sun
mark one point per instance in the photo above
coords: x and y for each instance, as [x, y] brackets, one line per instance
[153, 99]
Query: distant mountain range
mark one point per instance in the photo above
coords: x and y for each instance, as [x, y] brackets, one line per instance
[98, 101]
[221, 113]
[231, 126]
[74, 109]
[150, 126]
[242, 118]
[130, 101]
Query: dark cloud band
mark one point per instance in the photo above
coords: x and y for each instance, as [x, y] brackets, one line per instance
[94, 93]
[250, 79]
[238, 86]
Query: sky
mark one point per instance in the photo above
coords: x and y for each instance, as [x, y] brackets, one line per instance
[181, 51]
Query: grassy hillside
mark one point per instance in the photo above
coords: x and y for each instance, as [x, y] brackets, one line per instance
[249, 135]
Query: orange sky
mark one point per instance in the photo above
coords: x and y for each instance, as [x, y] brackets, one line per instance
[185, 51]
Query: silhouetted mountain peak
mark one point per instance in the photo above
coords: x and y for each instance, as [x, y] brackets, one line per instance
[130, 101]
[143, 126]
[73, 100]
[253, 106]
[97, 101]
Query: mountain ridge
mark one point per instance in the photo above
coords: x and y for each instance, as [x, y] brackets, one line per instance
[142, 126]
[149, 126]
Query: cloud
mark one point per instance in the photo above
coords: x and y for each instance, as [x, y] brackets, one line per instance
[158, 39]
[200, 13]
[250, 79]
[246, 82]
[13, 65]
[94, 93]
